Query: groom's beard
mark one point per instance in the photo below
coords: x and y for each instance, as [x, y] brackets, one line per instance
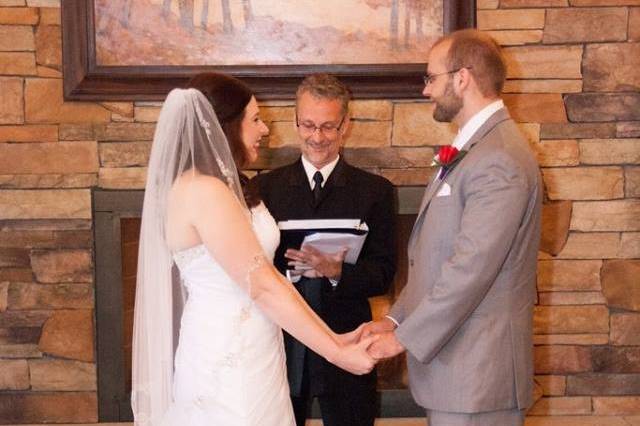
[448, 105]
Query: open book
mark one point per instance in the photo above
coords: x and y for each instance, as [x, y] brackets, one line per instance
[326, 235]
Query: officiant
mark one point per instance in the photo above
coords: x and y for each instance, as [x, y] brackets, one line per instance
[322, 185]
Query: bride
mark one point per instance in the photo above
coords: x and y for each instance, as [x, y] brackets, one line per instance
[207, 344]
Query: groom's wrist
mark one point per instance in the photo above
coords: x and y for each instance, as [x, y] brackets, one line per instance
[392, 321]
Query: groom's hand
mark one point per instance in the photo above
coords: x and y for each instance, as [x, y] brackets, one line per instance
[313, 263]
[380, 326]
[386, 346]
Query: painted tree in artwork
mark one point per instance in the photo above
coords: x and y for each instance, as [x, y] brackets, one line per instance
[186, 13]
[393, 23]
[126, 12]
[227, 23]
[393, 18]
[185, 8]
[414, 9]
[204, 17]
[248, 12]
[166, 7]
[117, 10]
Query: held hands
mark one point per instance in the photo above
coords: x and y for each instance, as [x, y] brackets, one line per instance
[363, 347]
[312, 263]
[353, 336]
[387, 345]
[353, 356]
[375, 327]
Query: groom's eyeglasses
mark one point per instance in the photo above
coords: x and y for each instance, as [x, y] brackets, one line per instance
[430, 78]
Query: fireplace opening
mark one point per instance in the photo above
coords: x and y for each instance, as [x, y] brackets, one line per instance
[130, 237]
[116, 238]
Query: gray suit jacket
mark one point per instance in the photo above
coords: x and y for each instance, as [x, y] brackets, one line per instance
[466, 312]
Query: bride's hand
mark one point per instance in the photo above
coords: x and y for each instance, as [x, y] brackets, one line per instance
[352, 336]
[354, 357]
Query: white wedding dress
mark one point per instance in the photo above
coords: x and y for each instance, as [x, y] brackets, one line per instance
[229, 365]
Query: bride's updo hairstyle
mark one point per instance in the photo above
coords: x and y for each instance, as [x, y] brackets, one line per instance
[229, 98]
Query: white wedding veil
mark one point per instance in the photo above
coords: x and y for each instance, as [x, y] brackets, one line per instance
[188, 137]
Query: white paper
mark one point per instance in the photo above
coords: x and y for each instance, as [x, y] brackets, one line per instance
[331, 242]
[322, 224]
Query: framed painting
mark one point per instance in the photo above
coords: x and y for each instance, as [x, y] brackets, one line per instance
[139, 50]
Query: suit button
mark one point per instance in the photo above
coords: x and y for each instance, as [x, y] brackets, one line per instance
[411, 262]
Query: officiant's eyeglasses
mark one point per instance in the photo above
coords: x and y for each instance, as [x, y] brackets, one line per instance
[430, 78]
[327, 129]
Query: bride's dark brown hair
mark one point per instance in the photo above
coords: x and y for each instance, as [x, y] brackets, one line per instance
[229, 98]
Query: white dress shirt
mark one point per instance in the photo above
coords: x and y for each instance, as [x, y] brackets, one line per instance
[311, 170]
[475, 122]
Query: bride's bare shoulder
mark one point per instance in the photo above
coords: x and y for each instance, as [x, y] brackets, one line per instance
[200, 187]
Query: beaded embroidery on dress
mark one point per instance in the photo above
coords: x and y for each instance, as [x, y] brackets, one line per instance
[230, 364]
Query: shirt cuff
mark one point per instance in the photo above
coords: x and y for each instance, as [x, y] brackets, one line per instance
[393, 320]
[294, 278]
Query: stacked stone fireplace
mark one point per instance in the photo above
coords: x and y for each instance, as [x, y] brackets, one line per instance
[573, 88]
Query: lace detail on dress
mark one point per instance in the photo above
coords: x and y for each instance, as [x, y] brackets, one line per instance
[230, 360]
[234, 356]
[184, 257]
[257, 262]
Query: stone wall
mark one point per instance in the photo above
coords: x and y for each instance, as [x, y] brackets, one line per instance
[573, 86]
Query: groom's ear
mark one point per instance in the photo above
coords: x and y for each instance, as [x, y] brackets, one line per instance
[463, 80]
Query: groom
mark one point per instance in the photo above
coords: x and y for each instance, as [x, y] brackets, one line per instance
[465, 315]
[322, 185]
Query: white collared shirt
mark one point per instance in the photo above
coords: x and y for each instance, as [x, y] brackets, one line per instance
[475, 122]
[311, 170]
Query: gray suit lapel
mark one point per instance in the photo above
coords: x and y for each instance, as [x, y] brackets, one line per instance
[430, 191]
[498, 117]
[428, 194]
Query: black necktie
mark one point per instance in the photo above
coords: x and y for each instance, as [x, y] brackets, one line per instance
[317, 178]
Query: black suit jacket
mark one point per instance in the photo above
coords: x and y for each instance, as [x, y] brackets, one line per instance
[348, 193]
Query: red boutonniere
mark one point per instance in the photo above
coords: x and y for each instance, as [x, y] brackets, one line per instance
[448, 156]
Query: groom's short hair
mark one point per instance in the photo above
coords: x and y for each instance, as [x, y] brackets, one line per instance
[325, 86]
[481, 55]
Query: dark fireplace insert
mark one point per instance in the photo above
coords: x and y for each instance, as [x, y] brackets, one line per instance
[116, 230]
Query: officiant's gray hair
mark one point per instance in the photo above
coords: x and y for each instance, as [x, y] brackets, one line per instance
[325, 86]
